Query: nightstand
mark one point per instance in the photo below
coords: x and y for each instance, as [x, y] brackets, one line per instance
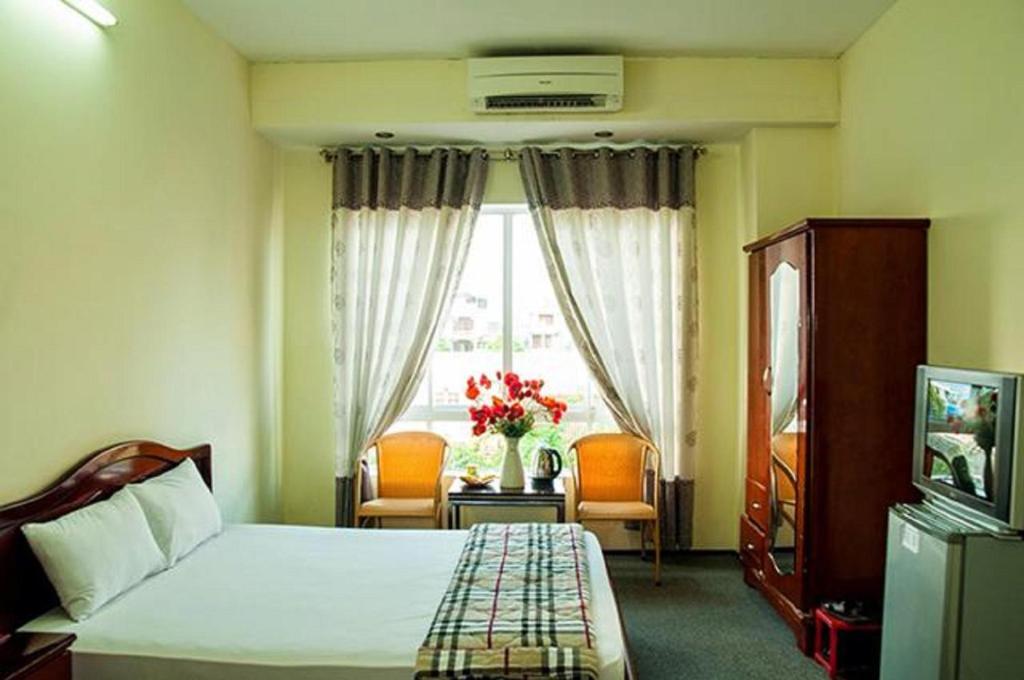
[36, 656]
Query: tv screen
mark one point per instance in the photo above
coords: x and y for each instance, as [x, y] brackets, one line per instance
[967, 451]
[960, 437]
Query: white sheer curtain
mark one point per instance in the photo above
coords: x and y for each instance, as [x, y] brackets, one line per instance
[401, 229]
[628, 272]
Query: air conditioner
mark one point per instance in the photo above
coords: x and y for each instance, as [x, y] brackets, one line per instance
[545, 84]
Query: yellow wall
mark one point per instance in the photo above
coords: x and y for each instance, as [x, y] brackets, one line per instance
[792, 172]
[307, 472]
[931, 125]
[137, 261]
[425, 101]
[720, 462]
[779, 91]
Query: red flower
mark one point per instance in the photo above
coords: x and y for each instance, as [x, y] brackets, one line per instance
[505, 408]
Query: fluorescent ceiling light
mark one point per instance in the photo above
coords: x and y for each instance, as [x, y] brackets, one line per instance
[94, 11]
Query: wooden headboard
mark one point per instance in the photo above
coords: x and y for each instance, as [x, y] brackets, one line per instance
[25, 592]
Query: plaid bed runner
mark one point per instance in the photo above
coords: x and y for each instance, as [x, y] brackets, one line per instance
[518, 606]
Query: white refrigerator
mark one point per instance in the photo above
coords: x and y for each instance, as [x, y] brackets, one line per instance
[954, 599]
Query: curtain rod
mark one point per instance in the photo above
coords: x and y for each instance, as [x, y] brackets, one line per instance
[511, 154]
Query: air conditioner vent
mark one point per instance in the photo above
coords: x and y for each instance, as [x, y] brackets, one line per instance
[546, 101]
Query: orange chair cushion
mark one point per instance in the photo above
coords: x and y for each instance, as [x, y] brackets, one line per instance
[784, 446]
[409, 464]
[784, 488]
[622, 510]
[398, 507]
[611, 467]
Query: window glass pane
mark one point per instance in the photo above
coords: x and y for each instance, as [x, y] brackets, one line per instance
[485, 452]
[422, 397]
[410, 426]
[471, 340]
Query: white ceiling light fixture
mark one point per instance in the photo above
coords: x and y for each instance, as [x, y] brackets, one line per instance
[93, 11]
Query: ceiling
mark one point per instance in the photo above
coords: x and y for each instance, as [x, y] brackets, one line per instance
[322, 30]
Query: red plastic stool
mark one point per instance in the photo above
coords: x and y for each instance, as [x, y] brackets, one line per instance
[860, 649]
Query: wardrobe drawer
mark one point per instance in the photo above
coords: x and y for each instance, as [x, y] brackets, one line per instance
[757, 504]
[751, 543]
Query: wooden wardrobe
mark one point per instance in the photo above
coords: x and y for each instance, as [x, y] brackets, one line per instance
[837, 326]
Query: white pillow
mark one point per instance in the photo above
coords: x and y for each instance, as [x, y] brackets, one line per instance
[94, 554]
[179, 508]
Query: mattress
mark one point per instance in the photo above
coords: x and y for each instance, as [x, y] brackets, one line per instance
[266, 602]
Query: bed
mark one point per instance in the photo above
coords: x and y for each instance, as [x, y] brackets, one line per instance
[257, 601]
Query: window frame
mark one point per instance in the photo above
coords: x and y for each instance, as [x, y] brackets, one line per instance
[431, 413]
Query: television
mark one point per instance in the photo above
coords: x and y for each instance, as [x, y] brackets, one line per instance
[968, 443]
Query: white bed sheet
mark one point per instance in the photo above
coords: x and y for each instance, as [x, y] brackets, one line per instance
[265, 602]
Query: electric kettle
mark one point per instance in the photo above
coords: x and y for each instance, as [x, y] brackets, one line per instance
[547, 464]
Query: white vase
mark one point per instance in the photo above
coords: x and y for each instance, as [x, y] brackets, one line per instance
[512, 466]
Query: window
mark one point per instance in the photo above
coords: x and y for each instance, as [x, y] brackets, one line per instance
[504, 317]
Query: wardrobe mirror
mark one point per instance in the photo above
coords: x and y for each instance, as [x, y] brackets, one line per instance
[784, 380]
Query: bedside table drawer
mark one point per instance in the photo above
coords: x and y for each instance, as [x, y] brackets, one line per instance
[36, 656]
[57, 668]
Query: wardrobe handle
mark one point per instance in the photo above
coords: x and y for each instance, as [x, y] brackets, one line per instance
[755, 505]
[766, 379]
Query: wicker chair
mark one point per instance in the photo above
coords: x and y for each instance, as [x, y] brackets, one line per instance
[611, 483]
[410, 466]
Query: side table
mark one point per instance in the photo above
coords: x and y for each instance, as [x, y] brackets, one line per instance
[550, 494]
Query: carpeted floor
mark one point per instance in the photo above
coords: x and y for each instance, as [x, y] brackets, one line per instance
[703, 623]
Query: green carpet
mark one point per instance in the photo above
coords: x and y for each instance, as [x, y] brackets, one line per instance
[703, 622]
